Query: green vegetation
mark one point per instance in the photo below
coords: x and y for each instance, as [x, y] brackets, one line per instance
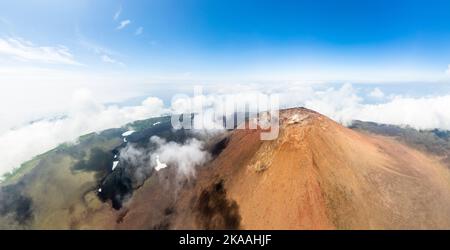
[77, 152]
[144, 124]
[17, 173]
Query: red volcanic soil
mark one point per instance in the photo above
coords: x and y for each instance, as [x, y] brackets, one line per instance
[316, 175]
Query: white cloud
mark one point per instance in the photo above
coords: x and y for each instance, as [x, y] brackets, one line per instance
[84, 115]
[123, 24]
[376, 93]
[139, 31]
[93, 46]
[344, 105]
[106, 55]
[447, 72]
[117, 14]
[188, 156]
[420, 113]
[108, 59]
[31, 93]
[23, 50]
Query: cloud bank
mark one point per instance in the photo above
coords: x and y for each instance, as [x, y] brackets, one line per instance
[187, 156]
[86, 115]
[142, 161]
[343, 104]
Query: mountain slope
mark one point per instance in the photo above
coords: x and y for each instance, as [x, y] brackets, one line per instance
[316, 175]
[319, 174]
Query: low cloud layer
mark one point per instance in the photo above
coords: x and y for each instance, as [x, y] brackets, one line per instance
[185, 157]
[86, 115]
[343, 104]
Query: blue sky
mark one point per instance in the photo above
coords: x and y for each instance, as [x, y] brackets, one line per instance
[212, 39]
[103, 63]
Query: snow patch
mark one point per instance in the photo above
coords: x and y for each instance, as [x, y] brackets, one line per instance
[159, 164]
[128, 133]
[115, 163]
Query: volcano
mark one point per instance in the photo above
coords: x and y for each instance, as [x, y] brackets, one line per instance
[317, 174]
